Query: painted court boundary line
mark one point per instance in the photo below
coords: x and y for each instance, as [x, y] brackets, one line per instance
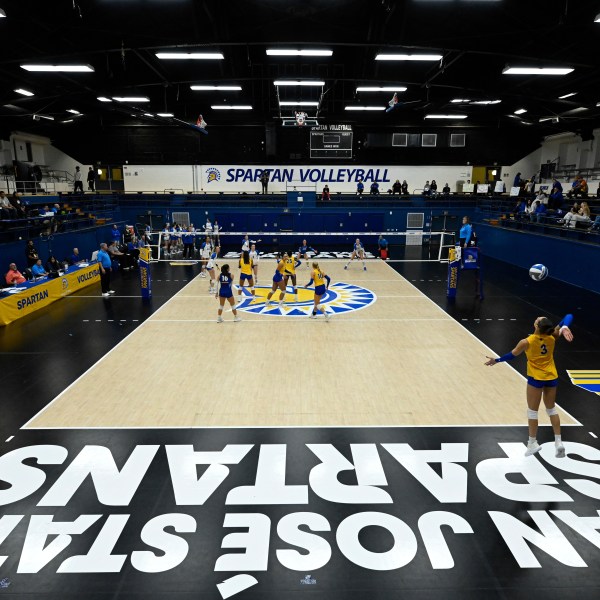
[136, 330]
[577, 422]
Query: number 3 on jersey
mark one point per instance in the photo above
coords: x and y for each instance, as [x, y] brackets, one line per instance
[543, 349]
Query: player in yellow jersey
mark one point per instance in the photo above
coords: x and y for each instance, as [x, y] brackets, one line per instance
[291, 262]
[245, 274]
[542, 377]
[319, 278]
[278, 283]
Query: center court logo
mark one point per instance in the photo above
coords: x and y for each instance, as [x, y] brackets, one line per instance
[340, 298]
[212, 174]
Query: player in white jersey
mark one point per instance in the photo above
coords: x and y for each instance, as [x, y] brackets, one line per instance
[211, 267]
[205, 252]
[246, 243]
[358, 252]
[166, 240]
[255, 258]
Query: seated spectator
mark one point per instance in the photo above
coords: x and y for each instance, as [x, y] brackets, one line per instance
[144, 241]
[520, 208]
[446, 190]
[397, 187]
[360, 187]
[598, 192]
[116, 256]
[14, 277]
[130, 256]
[325, 195]
[375, 189]
[433, 188]
[404, 188]
[540, 211]
[38, 270]
[579, 187]
[7, 210]
[541, 197]
[53, 266]
[31, 254]
[129, 234]
[596, 224]
[75, 258]
[574, 216]
[19, 206]
[426, 188]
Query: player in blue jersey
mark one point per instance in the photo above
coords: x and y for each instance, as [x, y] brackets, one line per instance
[319, 278]
[226, 293]
[358, 252]
[303, 252]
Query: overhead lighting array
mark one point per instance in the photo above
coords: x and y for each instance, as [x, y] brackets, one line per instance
[567, 95]
[73, 111]
[365, 107]
[131, 98]
[190, 55]
[537, 70]
[297, 103]
[460, 101]
[231, 107]
[24, 92]
[414, 57]
[485, 102]
[520, 111]
[381, 89]
[303, 83]
[165, 115]
[59, 68]
[436, 116]
[289, 52]
[220, 88]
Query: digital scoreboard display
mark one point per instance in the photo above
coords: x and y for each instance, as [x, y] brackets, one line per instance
[331, 141]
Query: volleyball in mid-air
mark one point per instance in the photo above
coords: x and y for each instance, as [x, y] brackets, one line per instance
[538, 272]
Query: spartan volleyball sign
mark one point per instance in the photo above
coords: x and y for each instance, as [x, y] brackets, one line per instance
[227, 517]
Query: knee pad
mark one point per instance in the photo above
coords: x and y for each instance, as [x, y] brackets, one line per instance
[551, 411]
[532, 414]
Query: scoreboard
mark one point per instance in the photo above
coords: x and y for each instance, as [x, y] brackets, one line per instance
[331, 141]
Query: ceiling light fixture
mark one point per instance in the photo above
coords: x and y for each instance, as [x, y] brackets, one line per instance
[104, 99]
[24, 92]
[231, 107]
[286, 52]
[520, 111]
[567, 95]
[460, 101]
[365, 107]
[381, 89]
[485, 102]
[418, 57]
[72, 110]
[220, 88]
[2, 14]
[298, 103]
[597, 19]
[165, 115]
[445, 116]
[47, 117]
[131, 98]
[537, 70]
[302, 83]
[67, 121]
[59, 68]
[190, 55]
[148, 115]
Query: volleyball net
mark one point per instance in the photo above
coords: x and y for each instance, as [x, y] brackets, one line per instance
[397, 246]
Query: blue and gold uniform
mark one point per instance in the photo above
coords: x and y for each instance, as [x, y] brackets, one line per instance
[279, 272]
[319, 279]
[541, 370]
[290, 265]
[246, 269]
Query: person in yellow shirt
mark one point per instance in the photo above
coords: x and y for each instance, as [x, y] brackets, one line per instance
[542, 377]
[246, 274]
[319, 278]
[291, 262]
[278, 283]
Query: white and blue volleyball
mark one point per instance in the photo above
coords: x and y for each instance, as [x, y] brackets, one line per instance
[538, 272]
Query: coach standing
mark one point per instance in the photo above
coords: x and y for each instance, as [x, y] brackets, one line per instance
[105, 267]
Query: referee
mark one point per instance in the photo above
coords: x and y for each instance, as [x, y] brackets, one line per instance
[105, 263]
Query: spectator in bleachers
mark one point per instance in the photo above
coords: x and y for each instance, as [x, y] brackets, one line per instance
[115, 234]
[446, 190]
[397, 187]
[91, 179]
[538, 211]
[518, 182]
[426, 188]
[579, 188]
[574, 216]
[433, 188]
[325, 195]
[556, 195]
[7, 210]
[360, 187]
[520, 208]
[38, 270]
[53, 266]
[31, 254]
[144, 241]
[404, 188]
[117, 257]
[77, 182]
[14, 276]
[374, 189]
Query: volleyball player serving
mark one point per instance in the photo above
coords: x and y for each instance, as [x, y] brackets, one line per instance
[542, 377]
[358, 252]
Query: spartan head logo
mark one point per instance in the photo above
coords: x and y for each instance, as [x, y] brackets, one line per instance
[65, 283]
[212, 174]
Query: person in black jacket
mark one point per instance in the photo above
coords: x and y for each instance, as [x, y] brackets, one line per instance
[91, 179]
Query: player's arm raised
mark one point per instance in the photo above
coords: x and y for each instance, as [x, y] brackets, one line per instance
[563, 328]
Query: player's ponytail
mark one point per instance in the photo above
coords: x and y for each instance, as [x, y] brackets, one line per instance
[246, 257]
[545, 326]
